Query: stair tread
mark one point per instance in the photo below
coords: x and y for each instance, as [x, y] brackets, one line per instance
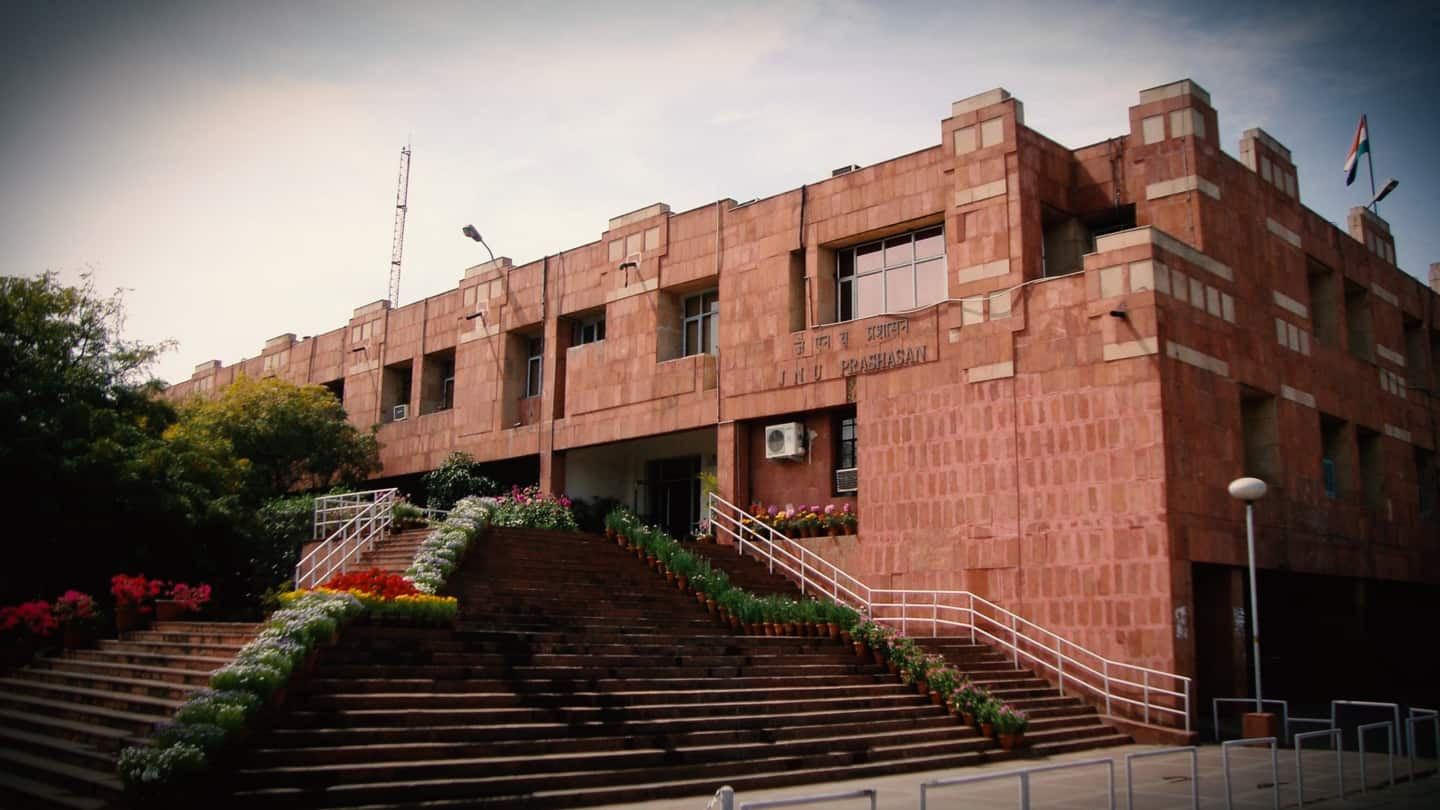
[49, 793]
[102, 779]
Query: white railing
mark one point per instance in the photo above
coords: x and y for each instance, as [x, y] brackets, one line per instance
[350, 524]
[1142, 693]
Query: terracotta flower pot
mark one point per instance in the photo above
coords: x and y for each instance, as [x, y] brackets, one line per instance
[987, 729]
[937, 698]
[890, 665]
[1010, 742]
[681, 582]
[710, 605]
[669, 576]
[922, 688]
[832, 531]
[834, 629]
[860, 651]
[879, 657]
[77, 636]
[127, 618]
[168, 610]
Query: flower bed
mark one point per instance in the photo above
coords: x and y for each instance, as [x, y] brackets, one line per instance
[213, 717]
[800, 520]
[785, 616]
[440, 553]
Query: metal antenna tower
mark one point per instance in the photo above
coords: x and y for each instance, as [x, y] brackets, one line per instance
[397, 246]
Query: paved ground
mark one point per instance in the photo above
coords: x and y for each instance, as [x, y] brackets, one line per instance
[1160, 783]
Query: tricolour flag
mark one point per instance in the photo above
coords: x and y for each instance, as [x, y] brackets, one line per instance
[1359, 147]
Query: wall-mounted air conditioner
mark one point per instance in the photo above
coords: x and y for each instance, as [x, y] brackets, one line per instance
[399, 413]
[785, 441]
[847, 480]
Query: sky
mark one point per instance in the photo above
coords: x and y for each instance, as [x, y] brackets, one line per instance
[232, 166]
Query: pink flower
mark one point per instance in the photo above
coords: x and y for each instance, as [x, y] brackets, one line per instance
[847, 509]
[829, 508]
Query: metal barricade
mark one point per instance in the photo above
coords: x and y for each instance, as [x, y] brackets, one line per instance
[1417, 716]
[1274, 765]
[1336, 735]
[1023, 775]
[1390, 751]
[1366, 704]
[726, 796]
[1194, 773]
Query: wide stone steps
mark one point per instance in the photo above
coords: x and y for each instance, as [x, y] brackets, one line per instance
[63, 719]
[576, 675]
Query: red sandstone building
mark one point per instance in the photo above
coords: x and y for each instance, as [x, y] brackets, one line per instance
[1033, 370]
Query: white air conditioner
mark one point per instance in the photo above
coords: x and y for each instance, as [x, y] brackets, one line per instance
[847, 480]
[785, 441]
[399, 412]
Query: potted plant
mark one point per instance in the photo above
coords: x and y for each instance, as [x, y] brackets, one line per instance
[987, 713]
[831, 520]
[1010, 726]
[25, 628]
[407, 516]
[180, 600]
[77, 614]
[133, 598]
[943, 681]
[849, 523]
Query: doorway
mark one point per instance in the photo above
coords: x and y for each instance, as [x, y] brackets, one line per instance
[674, 487]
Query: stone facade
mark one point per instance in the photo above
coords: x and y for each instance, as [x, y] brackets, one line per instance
[1125, 327]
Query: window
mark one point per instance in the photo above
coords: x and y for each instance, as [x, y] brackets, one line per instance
[701, 332]
[437, 381]
[1428, 477]
[892, 275]
[1372, 468]
[589, 330]
[1334, 456]
[848, 450]
[1260, 435]
[847, 454]
[1325, 302]
[534, 368]
[1357, 321]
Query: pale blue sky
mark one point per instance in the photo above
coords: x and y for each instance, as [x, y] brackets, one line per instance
[233, 164]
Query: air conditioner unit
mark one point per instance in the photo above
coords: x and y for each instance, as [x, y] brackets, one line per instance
[847, 480]
[399, 413]
[785, 441]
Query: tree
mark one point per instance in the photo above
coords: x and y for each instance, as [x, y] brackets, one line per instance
[78, 422]
[284, 436]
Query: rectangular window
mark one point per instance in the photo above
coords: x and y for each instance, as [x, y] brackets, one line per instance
[1334, 456]
[847, 455]
[1325, 303]
[437, 381]
[589, 330]
[1428, 478]
[1260, 433]
[700, 333]
[534, 366]
[1372, 467]
[1357, 321]
[892, 275]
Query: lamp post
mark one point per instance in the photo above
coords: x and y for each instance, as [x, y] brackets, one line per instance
[1251, 490]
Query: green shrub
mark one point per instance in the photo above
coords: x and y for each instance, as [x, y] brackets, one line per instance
[150, 767]
[457, 478]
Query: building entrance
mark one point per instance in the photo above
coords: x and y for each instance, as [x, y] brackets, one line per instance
[674, 487]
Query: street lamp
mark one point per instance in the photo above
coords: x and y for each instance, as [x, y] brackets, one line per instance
[1251, 490]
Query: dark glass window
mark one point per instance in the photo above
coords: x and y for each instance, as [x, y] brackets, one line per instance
[701, 332]
[847, 456]
[534, 366]
[893, 275]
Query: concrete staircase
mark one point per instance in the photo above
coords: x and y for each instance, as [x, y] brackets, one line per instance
[64, 719]
[1057, 723]
[393, 553]
[577, 676]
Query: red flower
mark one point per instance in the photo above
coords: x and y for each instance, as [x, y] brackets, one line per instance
[375, 582]
[135, 590]
[190, 598]
[33, 617]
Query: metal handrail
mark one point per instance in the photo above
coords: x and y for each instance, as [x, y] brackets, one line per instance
[1142, 691]
[367, 522]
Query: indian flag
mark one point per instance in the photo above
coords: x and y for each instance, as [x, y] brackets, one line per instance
[1359, 147]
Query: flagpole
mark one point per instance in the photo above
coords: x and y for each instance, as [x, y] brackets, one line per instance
[1370, 161]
